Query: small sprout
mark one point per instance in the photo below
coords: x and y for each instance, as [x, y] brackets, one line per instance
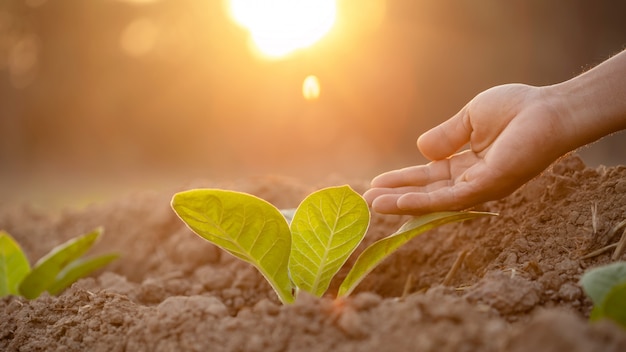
[52, 273]
[606, 286]
[301, 249]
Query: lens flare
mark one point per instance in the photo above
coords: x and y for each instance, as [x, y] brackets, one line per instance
[279, 27]
[311, 88]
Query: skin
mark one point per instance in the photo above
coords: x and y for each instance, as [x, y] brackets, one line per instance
[514, 131]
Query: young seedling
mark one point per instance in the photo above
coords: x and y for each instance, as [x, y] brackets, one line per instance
[606, 286]
[306, 252]
[54, 272]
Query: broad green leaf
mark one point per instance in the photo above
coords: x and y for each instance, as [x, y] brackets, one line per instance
[13, 265]
[614, 305]
[381, 249]
[606, 286]
[78, 269]
[45, 271]
[597, 282]
[326, 228]
[247, 227]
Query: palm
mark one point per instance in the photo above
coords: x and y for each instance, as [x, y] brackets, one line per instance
[505, 152]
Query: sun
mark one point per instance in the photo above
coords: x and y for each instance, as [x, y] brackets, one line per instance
[279, 27]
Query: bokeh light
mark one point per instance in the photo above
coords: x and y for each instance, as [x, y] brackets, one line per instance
[311, 88]
[23, 61]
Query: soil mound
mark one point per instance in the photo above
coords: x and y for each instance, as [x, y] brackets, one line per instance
[514, 286]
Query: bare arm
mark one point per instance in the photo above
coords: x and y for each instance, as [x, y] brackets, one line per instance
[595, 101]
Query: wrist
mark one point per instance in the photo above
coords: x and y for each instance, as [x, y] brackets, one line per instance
[592, 104]
[567, 116]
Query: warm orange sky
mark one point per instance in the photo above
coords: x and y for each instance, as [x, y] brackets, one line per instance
[111, 86]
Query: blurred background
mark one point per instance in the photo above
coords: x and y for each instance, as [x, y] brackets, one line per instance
[96, 91]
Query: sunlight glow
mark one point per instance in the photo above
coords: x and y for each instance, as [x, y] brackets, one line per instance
[279, 27]
[311, 88]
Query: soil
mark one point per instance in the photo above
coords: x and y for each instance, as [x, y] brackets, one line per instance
[515, 287]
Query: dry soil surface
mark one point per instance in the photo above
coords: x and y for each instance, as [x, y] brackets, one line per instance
[515, 286]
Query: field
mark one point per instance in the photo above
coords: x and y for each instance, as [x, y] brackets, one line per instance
[491, 284]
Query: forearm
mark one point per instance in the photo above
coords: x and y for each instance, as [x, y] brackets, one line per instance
[593, 104]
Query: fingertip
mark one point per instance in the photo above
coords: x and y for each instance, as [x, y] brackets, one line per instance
[424, 145]
[379, 203]
[382, 180]
[385, 204]
[369, 196]
[375, 181]
[445, 139]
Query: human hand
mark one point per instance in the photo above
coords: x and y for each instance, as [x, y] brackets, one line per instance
[514, 132]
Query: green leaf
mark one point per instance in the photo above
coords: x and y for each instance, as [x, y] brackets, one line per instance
[597, 313]
[248, 227]
[606, 286]
[78, 269]
[13, 265]
[597, 282]
[614, 305]
[381, 249]
[326, 228]
[45, 271]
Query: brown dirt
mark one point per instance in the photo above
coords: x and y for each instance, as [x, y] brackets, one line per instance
[515, 290]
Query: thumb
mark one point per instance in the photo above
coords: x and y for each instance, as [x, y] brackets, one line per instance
[444, 140]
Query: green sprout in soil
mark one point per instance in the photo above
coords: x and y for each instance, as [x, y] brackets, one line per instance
[54, 272]
[306, 253]
[606, 286]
